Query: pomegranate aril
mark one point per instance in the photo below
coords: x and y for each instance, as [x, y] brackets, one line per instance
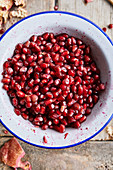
[76, 124]
[49, 95]
[80, 90]
[88, 111]
[82, 119]
[78, 116]
[60, 129]
[30, 58]
[64, 122]
[56, 121]
[55, 48]
[20, 94]
[76, 106]
[5, 80]
[44, 127]
[17, 111]
[110, 26]
[35, 88]
[45, 36]
[26, 44]
[102, 86]
[17, 87]
[104, 29]
[28, 105]
[45, 139]
[95, 98]
[37, 108]
[25, 116]
[30, 70]
[15, 102]
[38, 118]
[33, 38]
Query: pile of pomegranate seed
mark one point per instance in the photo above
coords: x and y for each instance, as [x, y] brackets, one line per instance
[52, 81]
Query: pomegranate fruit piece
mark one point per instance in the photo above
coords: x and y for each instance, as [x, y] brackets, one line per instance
[11, 154]
[52, 81]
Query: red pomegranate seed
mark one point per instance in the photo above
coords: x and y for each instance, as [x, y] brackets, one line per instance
[49, 95]
[28, 105]
[65, 136]
[78, 116]
[80, 90]
[25, 116]
[5, 132]
[20, 94]
[45, 139]
[56, 8]
[95, 98]
[15, 102]
[88, 111]
[44, 127]
[34, 98]
[56, 121]
[17, 111]
[33, 38]
[104, 29]
[71, 73]
[76, 124]
[2, 31]
[87, 1]
[71, 120]
[82, 119]
[45, 36]
[76, 106]
[6, 87]
[5, 81]
[110, 26]
[102, 86]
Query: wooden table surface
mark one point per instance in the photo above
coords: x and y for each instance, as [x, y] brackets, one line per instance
[96, 154]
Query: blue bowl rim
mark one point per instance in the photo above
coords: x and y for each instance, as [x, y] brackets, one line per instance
[81, 17]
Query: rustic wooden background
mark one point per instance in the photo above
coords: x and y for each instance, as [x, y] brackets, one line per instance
[97, 154]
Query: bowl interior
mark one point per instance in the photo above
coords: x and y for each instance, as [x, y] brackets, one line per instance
[59, 22]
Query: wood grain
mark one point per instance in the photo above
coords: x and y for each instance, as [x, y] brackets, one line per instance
[98, 11]
[83, 157]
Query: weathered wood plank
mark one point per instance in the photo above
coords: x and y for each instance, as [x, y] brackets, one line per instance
[82, 157]
[98, 11]
[39, 6]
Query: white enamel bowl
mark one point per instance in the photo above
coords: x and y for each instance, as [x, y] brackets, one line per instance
[102, 52]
